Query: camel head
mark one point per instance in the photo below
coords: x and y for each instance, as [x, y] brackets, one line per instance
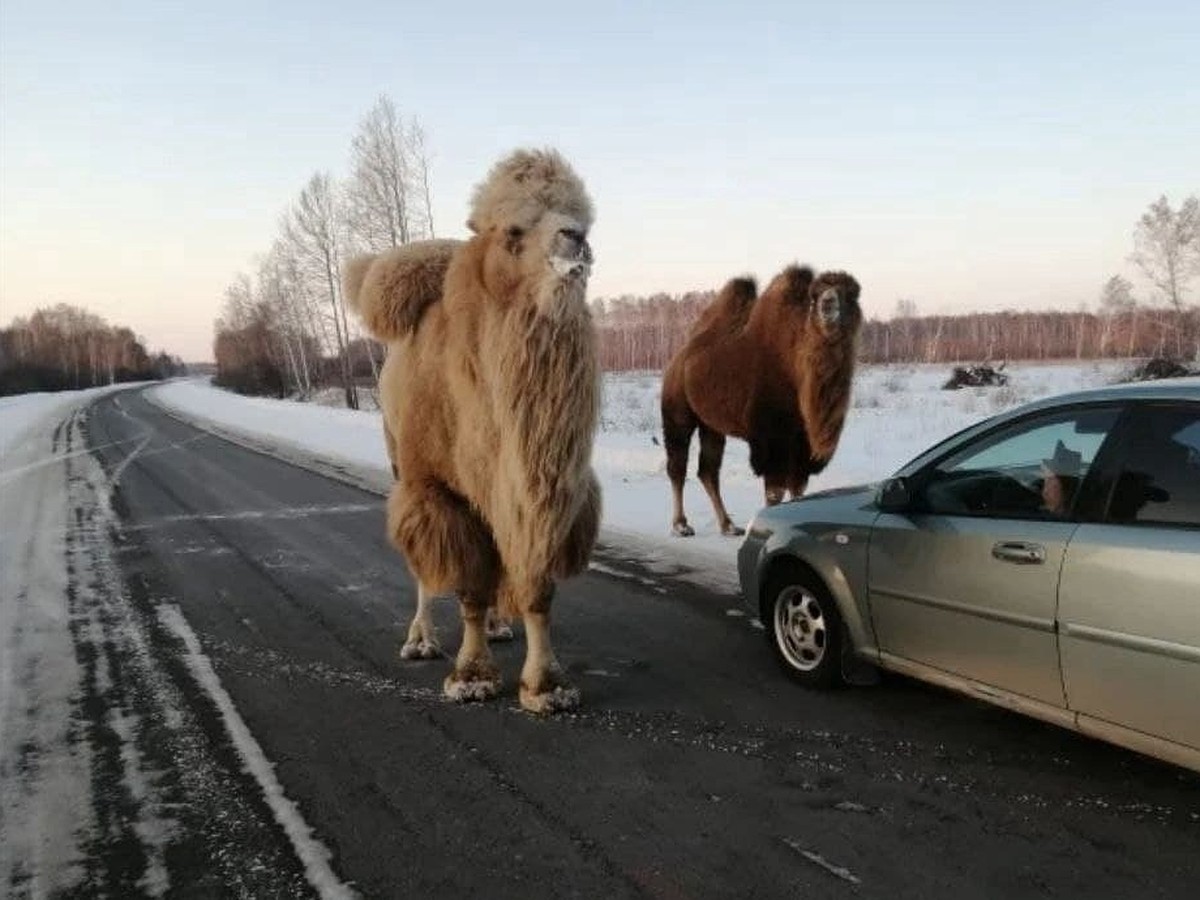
[533, 214]
[833, 305]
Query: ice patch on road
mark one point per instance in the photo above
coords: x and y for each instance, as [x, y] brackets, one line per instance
[312, 852]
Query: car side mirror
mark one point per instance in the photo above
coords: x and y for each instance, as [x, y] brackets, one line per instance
[894, 495]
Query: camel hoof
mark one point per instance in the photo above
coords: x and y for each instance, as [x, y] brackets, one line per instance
[501, 631]
[682, 529]
[732, 530]
[476, 683]
[560, 698]
[554, 693]
[421, 649]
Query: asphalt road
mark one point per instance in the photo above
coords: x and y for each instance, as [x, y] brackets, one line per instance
[693, 769]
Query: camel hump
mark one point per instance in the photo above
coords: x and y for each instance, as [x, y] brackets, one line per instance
[792, 284]
[738, 294]
[731, 307]
[392, 290]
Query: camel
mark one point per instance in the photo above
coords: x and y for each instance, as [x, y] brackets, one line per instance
[491, 398]
[407, 280]
[774, 371]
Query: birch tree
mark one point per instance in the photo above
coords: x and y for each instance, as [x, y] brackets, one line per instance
[1167, 250]
[1116, 300]
[389, 198]
[419, 164]
[379, 203]
[313, 227]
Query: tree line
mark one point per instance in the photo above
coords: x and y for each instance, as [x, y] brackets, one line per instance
[284, 327]
[642, 333]
[67, 348]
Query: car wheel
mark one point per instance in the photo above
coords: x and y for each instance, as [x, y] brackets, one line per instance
[804, 628]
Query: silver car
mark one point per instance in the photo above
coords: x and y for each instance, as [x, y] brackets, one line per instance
[1046, 559]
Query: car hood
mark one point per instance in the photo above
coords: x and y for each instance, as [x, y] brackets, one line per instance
[868, 488]
[843, 506]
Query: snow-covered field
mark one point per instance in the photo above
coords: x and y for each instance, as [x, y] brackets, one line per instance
[897, 411]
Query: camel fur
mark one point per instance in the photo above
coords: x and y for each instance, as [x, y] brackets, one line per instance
[774, 371]
[394, 289]
[491, 398]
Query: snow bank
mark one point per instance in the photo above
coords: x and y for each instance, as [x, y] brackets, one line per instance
[20, 413]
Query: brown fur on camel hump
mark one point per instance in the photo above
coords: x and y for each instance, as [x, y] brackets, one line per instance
[774, 370]
[392, 290]
[491, 408]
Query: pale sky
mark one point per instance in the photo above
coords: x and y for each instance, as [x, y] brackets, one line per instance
[967, 155]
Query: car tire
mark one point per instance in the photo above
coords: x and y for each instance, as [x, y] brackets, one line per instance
[803, 628]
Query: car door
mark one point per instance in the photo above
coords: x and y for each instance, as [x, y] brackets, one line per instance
[966, 580]
[1129, 602]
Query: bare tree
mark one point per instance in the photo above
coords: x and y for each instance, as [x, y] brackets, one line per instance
[388, 195]
[287, 320]
[378, 193]
[1167, 250]
[1116, 300]
[419, 164]
[313, 228]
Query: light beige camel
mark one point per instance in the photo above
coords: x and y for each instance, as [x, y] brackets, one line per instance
[490, 398]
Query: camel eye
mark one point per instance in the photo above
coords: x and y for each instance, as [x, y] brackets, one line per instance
[573, 233]
[515, 233]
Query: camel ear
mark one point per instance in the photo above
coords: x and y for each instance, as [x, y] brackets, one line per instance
[471, 224]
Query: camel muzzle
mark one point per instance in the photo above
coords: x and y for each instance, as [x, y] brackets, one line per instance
[572, 255]
[829, 307]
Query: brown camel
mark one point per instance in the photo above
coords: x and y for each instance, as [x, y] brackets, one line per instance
[773, 370]
[491, 398]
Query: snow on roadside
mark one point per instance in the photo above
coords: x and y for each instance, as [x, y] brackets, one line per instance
[45, 778]
[57, 577]
[21, 413]
[101, 754]
[341, 434]
[896, 411]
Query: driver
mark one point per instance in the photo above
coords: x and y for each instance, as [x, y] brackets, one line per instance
[1060, 479]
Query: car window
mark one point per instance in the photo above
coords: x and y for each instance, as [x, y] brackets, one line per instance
[1032, 470]
[1159, 477]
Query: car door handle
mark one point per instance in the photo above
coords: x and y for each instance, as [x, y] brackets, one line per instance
[1020, 552]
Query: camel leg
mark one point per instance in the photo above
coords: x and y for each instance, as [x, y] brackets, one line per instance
[497, 627]
[796, 488]
[712, 451]
[544, 685]
[447, 548]
[475, 676]
[678, 439]
[422, 640]
[774, 489]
